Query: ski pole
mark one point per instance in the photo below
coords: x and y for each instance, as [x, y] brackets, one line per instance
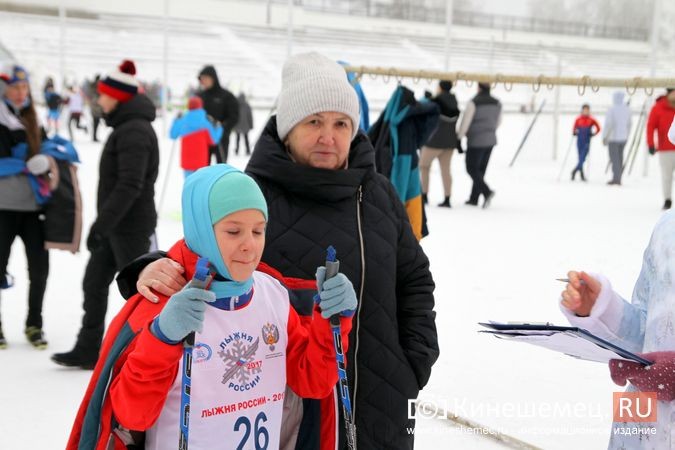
[588, 158]
[567, 154]
[332, 269]
[527, 133]
[639, 132]
[166, 178]
[635, 141]
[201, 280]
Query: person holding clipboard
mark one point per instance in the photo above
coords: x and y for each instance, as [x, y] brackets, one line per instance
[645, 325]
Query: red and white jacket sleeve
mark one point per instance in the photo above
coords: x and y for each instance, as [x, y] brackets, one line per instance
[139, 391]
[311, 369]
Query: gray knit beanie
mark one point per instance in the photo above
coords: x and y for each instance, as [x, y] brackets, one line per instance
[310, 84]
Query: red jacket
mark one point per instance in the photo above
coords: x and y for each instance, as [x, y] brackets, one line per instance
[586, 122]
[660, 118]
[195, 150]
[135, 370]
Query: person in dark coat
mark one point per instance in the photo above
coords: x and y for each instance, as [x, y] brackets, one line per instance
[479, 124]
[94, 107]
[442, 143]
[245, 123]
[126, 207]
[317, 173]
[220, 104]
[54, 103]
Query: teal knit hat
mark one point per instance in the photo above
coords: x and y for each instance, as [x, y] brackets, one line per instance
[235, 191]
[210, 194]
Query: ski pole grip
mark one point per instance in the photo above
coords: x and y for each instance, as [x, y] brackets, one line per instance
[201, 279]
[332, 269]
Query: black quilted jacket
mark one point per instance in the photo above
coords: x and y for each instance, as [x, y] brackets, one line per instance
[128, 170]
[393, 343]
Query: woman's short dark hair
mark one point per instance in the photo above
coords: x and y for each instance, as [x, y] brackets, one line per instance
[445, 85]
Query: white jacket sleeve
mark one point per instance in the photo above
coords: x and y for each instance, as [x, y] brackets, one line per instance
[613, 318]
[671, 132]
[608, 126]
[467, 118]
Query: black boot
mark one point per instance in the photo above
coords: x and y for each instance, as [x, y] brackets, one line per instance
[488, 199]
[77, 357]
[668, 203]
[3, 341]
[581, 172]
[36, 337]
[445, 203]
[424, 198]
[574, 173]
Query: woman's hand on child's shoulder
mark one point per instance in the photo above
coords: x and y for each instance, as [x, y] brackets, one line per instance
[164, 276]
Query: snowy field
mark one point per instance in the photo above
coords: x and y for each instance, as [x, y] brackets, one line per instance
[497, 264]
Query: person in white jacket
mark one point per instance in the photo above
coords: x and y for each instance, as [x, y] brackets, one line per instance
[646, 325]
[615, 134]
[671, 132]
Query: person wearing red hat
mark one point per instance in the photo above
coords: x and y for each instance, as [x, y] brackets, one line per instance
[198, 134]
[126, 206]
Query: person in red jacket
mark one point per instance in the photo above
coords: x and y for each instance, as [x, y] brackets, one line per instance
[660, 119]
[197, 135]
[585, 127]
[249, 343]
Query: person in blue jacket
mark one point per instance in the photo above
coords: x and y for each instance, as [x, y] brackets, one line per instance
[197, 133]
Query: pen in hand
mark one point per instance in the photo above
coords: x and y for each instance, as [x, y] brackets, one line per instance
[567, 280]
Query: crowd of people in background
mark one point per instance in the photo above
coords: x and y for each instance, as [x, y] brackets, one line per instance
[320, 176]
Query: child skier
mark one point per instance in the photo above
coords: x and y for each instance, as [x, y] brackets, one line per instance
[197, 134]
[585, 127]
[54, 103]
[249, 343]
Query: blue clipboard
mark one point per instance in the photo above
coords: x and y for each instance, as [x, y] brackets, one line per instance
[514, 328]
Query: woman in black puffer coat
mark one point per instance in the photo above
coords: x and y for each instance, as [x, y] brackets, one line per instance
[393, 343]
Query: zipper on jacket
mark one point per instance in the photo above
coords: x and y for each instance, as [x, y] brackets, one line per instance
[358, 310]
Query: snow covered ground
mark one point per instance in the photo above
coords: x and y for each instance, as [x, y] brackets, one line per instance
[497, 264]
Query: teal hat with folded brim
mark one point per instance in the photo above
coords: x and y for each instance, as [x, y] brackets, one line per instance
[209, 195]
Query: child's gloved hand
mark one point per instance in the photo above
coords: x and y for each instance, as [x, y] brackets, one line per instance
[336, 295]
[183, 314]
[659, 377]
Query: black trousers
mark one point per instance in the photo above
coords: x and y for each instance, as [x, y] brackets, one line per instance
[477, 159]
[248, 147]
[75, 117]
[28, 226]
[94, 129]
[115, 252]
[221, 150]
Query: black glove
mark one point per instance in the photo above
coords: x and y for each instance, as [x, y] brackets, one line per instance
[94, 240]
[652, 150]
[460, 150]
